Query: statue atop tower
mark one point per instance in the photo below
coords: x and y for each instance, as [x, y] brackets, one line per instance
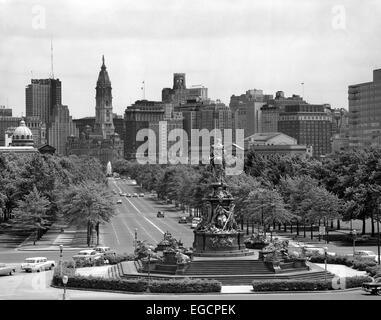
[103, 109]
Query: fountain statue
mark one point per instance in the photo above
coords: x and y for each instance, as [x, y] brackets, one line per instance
[218, 233]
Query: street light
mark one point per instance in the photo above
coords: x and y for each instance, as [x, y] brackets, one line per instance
[378, 232]
[136, 239]
[64, 281]
[354, 233]
[61, 249]
[325, 262]
[271, 233]
[149, 266]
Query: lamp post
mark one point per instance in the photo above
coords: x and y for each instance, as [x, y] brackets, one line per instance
[271, 233]
[149, 266]
[325, 263]
[136, 239]
[354, 233]
[64, 281]
[61, 250]
[378, 233]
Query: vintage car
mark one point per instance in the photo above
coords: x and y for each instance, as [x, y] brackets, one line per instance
[6, 270]
[119, 201]
[365, 254]
[37, 264]
[87, 255]
[160, 214]
[373, 287]
[104, 250]
[195, 222]
[183, 219]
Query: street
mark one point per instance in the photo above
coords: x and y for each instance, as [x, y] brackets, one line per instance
[140, 213]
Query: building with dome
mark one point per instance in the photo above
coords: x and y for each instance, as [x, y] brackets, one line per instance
[22, 141]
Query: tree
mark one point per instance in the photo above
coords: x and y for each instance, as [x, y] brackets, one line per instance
[267, 207]
[87, 204]
[31, 212]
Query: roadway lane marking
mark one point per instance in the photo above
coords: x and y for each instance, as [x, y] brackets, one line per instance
[116, 236]
[142, 227]
[145, 216]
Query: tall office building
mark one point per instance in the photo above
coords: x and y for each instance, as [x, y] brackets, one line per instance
[103, 109]
[140, 115]
[310, 125]
[271, 110]
[40, 98]
[61, 128]
[246, 110]
[365, 113]
[179, 94]
[340, 129]
[5, 112]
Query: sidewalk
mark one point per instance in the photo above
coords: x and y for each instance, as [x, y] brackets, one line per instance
[72, 238]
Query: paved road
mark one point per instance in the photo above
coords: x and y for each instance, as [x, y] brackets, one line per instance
[140, 213]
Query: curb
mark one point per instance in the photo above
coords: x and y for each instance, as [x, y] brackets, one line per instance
[131, 292]
[51, 250]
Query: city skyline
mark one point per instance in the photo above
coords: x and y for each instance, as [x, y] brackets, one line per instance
[149, 41]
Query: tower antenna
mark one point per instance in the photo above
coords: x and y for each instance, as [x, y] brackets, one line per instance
[51, 58]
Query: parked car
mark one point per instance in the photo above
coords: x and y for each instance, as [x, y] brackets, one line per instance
[183, 220]
[317, 250]
[89, 255]
[160, 214]
[114, 192]
[135, 195]
[6, 270]
[373, 287]
[128, 195]
[104, 250]
[141, 194]
[37, 264]
[119, 201]
[121, 194]
[195, 222]
[365, 254]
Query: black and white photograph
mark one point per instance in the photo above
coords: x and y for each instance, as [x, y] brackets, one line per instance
[185, 156]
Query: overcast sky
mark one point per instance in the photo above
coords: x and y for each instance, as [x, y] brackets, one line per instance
[227, 46]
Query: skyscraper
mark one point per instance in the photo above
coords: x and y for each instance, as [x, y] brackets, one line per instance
[310, 125]
[40, 98]
[179, 94]
[103, 109]
[365, 113]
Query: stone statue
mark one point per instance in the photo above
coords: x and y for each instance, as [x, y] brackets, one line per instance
[217, 161]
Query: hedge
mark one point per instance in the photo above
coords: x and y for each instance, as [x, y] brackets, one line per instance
[130, 285]
[112, 259]
[185, 286]
[356, 282]
[291, 285]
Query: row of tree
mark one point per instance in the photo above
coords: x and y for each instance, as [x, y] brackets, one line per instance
[37, 190]
[278, 190]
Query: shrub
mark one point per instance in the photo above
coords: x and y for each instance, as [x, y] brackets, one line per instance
[117, 258]
[185, 286]
[291, 285]
[356, 282]
[130, 285]
[363, 265]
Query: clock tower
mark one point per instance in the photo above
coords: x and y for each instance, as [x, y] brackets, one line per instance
[103, 109]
